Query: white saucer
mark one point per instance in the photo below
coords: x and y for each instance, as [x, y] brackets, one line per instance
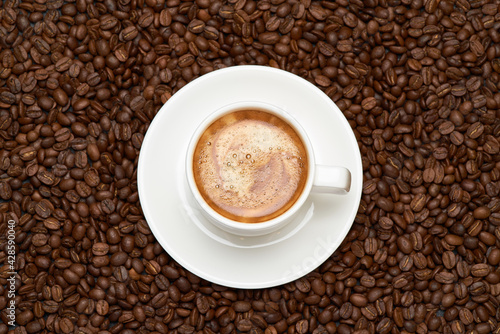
[217, 256]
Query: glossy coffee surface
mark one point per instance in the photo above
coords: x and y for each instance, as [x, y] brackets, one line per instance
[250, 166]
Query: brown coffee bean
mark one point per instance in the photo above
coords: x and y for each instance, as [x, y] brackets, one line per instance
[404, 244]
[480, 270]
[446, 128]
[419, 261]
[346, 310]
[369, 103]
[240, 306]
[129, 33]
[473, 84]
[350, 91]
[102, 307]
[475, 130]
[100, 249]
[445, 277]
[322, 80]
[370, 312]
[449, 259]
[482, 212]
[406, 263]
[458, 90]
[91, 177]
[466, 316]
[165, 18]
[418, 203]
[358, 300]
[70, 276]
[302, 326]
[83, 82]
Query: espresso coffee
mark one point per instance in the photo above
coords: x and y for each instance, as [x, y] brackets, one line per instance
[250, 166]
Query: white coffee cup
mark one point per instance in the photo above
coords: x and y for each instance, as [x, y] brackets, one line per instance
[324, 179]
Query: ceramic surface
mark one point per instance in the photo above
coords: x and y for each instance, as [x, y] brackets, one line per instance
[215, 255]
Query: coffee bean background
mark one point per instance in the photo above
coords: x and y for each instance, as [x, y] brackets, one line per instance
[418, 81]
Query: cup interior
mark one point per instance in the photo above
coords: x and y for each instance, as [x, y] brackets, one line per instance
[234, 226]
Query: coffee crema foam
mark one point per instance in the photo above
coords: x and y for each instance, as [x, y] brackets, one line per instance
[250, 166]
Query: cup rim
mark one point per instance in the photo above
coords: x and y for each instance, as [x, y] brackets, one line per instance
[231, 224]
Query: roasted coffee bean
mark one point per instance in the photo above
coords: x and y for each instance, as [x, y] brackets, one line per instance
[466, 316]
[369, 103]
[346, 311]
[406, 263]
[83, 81]
[475, 130]
[100, 249]
[480, 270]
[358, 300]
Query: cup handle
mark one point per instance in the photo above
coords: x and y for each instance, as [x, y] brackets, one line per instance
[332, 180]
